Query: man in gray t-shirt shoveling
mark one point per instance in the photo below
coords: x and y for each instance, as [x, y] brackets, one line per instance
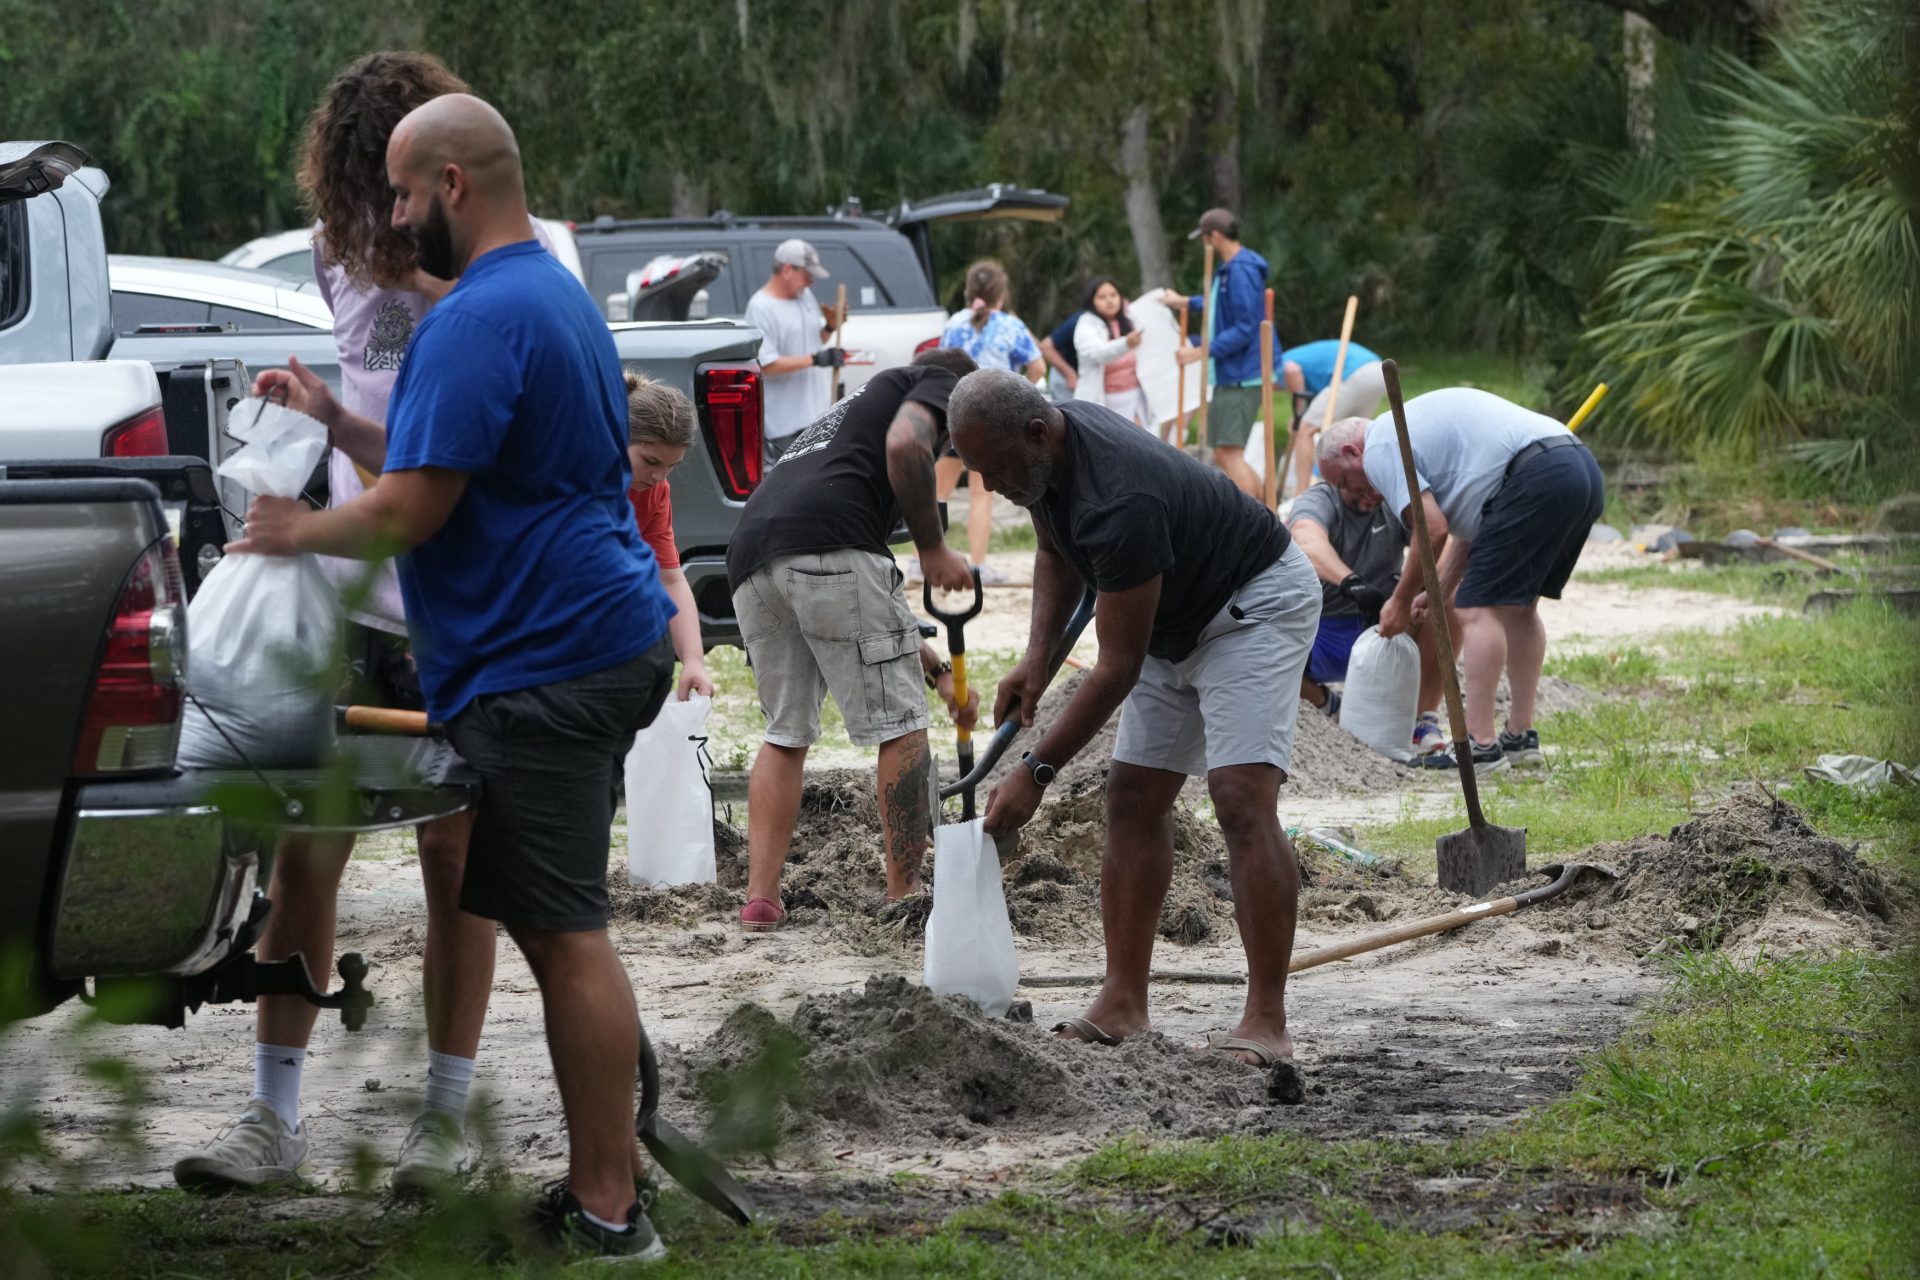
[1510, 496]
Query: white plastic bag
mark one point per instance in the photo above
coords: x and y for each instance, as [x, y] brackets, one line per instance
[1382, 694]
[969, 938]
[263, 630]
[669, 801]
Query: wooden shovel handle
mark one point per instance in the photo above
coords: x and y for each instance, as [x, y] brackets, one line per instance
[386, 720]
[1436, 603]
[1404, 933]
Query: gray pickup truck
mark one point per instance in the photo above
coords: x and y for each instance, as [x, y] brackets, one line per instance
[56, 310]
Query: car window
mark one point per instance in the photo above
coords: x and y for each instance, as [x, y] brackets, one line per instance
[609, 265]
[295, 266]
[880, 271]
[131, 310]
[13, 262]
[241, 318]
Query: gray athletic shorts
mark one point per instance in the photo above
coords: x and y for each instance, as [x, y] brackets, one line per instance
[1231, 413]
[1236, 698]
[832, 622]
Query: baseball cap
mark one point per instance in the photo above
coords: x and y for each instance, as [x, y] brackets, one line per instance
[1221, 220]
[798, 253]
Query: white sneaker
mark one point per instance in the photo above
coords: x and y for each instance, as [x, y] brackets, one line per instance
[255, 1150]
[434, 1154]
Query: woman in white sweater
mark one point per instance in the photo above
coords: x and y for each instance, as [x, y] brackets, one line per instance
[1106, 341]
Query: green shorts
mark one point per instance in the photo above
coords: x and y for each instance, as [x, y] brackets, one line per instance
[1231, 414]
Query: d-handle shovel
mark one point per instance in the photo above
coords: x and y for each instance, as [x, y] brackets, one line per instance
[956, 625]
[1482, 856]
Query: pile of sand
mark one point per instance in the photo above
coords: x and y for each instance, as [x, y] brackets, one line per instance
[1749, 872]
[898, 1063]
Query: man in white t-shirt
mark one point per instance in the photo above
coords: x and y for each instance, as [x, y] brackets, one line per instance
[794, 356]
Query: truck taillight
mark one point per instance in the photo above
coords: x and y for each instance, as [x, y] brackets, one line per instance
[133, 710]
[928, 345]
[142, 436]
[730, 404]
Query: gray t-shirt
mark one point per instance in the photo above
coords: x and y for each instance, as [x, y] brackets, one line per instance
[790, 327]
[1373, 544]
[1462, 442]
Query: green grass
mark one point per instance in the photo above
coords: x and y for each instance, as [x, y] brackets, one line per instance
[1506, 376]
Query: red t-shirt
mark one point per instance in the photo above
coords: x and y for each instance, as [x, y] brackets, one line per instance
[653, 511]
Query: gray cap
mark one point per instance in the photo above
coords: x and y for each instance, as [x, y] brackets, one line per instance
[798, 253]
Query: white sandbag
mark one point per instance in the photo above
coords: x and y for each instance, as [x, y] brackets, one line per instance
[1155, 363]
[969, 938]
[263, 631]
[669, 800]
[1382, 695]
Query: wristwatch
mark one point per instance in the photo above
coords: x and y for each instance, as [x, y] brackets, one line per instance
[1042, 773]
[933, 677]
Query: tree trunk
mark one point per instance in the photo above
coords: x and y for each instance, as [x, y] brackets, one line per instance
[1143, 204]
[1223, 144]
[1640, 56]
[688, 195]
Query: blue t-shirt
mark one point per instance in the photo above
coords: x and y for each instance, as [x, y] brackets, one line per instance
[1062, 338]
[1002, 343]
[1316, 361]
[539, 575]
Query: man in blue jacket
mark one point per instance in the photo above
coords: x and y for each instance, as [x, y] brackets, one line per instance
[1238, 305]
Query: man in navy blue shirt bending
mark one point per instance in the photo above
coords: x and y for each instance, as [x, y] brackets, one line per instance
[539, 622]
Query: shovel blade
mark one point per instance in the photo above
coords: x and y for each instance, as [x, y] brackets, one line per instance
[695, 1170]
[1475, 860]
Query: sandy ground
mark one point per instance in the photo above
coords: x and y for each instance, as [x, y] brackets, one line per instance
[1431, 1038]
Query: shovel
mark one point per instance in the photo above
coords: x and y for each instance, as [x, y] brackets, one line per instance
[956, 625]
[680, 1156]
[1482, 856]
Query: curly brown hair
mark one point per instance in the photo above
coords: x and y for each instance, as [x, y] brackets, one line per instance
[343, 173]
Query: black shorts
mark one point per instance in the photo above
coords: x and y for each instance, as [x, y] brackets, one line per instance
[1532, 530]
[380, 670]
[549, 760]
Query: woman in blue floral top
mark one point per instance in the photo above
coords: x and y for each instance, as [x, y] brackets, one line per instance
[996, 339]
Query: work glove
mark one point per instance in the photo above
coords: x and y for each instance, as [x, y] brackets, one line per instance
[1368, 599]
[830, 357]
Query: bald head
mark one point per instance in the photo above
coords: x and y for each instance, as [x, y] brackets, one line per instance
[458, 130]
[455, 172]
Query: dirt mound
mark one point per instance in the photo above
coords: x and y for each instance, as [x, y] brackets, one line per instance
[1752, 864]
[897, 1062]
[1327, 760]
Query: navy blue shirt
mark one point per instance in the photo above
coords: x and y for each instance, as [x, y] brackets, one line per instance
[539, 574]
[1062, 339]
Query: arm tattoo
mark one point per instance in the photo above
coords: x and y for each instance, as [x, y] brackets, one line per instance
[904, 808]
[912, 477]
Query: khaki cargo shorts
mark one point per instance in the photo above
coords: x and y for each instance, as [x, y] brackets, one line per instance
[832, 622]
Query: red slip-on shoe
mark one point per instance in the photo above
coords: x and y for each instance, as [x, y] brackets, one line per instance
[762, 915]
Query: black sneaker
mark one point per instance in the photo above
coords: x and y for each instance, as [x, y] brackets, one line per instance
[1522, 748]
[583, 1240]
[1487, 758]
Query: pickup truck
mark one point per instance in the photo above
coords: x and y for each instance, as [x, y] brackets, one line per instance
[168, 392]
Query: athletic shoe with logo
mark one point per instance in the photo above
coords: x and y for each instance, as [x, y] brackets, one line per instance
[1522, 748]
[1487, 758]
[584, 1241]
[256, 1149]
[434, 1154]
[1429, 739]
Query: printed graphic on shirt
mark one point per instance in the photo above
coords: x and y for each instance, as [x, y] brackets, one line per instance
[387, 340]
[818, 434]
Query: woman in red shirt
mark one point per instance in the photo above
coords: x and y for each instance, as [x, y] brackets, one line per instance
[659, 433]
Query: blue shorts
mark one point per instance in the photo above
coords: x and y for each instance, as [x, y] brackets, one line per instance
[1533, 530]
[1332, 646]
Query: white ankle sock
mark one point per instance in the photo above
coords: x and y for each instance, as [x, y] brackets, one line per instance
[599, 1221]
[276, 1079]
[448, 1079]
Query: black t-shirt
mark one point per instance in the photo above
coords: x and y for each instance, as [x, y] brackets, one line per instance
[830, 489]
[1127, 507]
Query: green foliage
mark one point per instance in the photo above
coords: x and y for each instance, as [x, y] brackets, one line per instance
[1774, 293]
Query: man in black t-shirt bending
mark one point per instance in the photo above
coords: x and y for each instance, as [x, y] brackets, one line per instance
[822, 611]
[1205, 612]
